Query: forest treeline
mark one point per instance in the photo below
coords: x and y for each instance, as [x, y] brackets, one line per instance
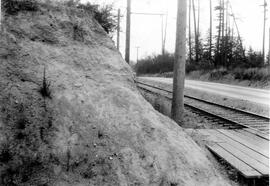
[222, 48]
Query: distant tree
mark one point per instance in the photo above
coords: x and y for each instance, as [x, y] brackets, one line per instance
[254, 59]
[195, 32]
[189, 32]
[210, 32]
[218, 8]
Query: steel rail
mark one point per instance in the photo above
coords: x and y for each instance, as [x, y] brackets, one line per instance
[237, 111]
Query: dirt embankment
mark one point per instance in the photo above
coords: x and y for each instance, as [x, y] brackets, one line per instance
[82, 122]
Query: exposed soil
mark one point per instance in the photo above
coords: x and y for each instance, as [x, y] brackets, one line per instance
[71, 115]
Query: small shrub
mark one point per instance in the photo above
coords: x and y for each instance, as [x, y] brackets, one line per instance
[5, 154]
[12, 7]
[45, 89]
[104, 15]
[255, 74]
[89, 173]
[78, 33]
[218, 74]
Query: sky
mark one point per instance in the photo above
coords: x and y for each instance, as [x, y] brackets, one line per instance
[146, 30]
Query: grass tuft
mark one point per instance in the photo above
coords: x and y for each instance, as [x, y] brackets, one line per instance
[45, 90]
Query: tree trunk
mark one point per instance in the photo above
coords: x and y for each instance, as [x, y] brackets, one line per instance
[198, 20]
[179, 63]
[218, 38]
[195, 32]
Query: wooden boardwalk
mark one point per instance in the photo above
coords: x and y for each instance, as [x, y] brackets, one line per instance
[245, 150]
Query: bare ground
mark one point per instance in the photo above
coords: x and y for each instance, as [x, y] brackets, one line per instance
[87, 124]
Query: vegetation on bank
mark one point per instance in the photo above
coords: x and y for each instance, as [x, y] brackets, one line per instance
[103, 14]
[252, 69]
[219, 53]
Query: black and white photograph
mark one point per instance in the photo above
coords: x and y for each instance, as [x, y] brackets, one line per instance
[134, 92]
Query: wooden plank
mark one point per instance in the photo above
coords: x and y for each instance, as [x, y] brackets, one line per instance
[243, 142]
[258, 166]
[253, 139]
[210, 135]
[242, 167]
[251, 135]
[262, 135]
[249, 152]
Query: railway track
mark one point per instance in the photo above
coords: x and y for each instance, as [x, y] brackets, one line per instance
[224, 115]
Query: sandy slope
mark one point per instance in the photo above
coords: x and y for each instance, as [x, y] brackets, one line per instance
[96, 129]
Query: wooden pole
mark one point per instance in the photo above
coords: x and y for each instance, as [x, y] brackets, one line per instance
[165, 33]
[264, 21]
[0, 15]
[269, 50]
[127, 53]
[177, 112]
[162, 34]
[137, 54]
[118, 29]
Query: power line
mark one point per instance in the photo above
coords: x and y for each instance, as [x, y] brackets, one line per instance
[142, 13]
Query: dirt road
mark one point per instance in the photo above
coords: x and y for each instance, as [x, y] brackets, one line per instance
[244, 93]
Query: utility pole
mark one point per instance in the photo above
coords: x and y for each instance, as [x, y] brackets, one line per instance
[226, 33]
[269, 50]
[118, 29]
[222, 32]
[127, 53]
[162, 35]
[264, 21]
[0, 15]
[164, 31]
[237, 29]
[177, 112]
[165, 35]
[137, 53]
[189, 31]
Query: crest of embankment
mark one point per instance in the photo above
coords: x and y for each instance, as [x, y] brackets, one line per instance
[70, 113]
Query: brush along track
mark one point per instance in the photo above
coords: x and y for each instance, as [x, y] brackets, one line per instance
[233, 118]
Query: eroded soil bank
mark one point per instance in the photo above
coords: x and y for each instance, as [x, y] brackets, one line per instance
[71, 114]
